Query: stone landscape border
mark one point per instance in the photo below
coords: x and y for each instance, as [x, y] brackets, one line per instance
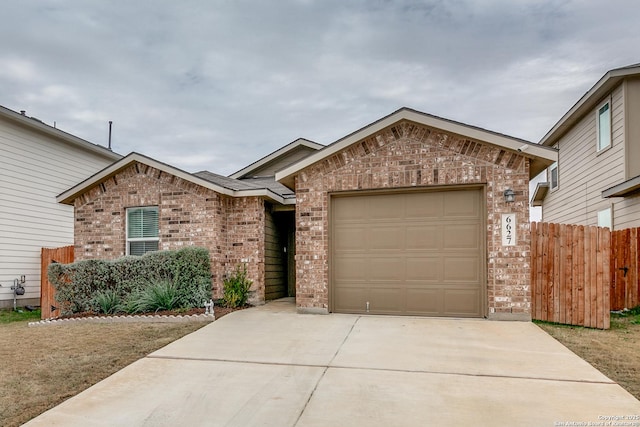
[128, 319]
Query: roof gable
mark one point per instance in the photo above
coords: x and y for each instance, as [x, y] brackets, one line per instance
[281, 158]
[588, 101]
[220, 184]
[541, 156]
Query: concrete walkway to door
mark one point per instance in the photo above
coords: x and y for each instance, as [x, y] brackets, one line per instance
[269, 366]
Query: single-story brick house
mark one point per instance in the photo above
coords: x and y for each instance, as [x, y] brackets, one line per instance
[412, 214]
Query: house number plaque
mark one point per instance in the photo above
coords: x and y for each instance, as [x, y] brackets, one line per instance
[508, 229]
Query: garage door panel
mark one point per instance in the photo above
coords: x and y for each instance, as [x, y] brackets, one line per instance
[424, 301]
[419, 253]
[426, 269]
[380, 208]
[351, 299]
[462, 302]
[349, 239]
[459, 269]
[386, 237]
[465, 236]
[350, 209]
[349, 268]
[386, 269]
[423, 206]
[423, 237]
[387, 300]
[459, 204]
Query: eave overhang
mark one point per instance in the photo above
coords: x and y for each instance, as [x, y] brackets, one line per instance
[541, 157]
[542, 188]
[627, 188]
[300, 142]
[70, 195]
[41, 127]
[588, 102]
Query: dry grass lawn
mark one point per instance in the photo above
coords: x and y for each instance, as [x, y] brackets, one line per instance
[614, 352]
[45, 365]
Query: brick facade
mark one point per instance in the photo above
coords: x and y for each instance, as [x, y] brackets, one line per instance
[232, 229]
[412, 155]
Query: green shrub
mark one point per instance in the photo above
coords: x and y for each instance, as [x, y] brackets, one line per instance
[237, 288]
[108, 302]
[77, 284]
[190, 270]
[162, 294]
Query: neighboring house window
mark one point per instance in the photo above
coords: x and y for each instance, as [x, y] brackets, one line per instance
[604, 126]
[604, 218]
[553, 175]
[142, 230]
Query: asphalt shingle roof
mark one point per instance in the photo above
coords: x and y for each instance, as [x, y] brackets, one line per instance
[258, 183]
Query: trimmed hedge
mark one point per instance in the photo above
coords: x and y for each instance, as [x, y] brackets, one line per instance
[79, 284]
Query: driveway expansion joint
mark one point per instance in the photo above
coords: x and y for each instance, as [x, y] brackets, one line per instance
[355, 368]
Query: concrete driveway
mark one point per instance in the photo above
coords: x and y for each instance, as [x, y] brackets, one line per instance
[269, 366]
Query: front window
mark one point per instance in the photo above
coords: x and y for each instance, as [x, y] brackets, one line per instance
[142, 230]
[604, 126]
[553, 175]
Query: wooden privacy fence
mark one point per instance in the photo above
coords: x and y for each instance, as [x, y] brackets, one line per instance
[570, 274]
[62, 255]
[625, 268]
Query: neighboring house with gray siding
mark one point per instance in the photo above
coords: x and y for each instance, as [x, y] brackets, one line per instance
[596, 180]
[37, 162]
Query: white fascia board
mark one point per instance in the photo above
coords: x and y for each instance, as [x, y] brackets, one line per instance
[610, 80]
[262, 192]
[279, 152]
[514, 144]
[68, 196]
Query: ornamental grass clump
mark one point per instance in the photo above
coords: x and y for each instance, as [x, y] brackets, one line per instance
[108, 302]
[133, 303]
[237, 288]
[162, 294]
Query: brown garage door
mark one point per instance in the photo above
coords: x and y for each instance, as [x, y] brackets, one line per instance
[416, 253]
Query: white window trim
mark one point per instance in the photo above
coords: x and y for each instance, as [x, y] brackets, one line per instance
[138, 239]
[550, 177]
[598, 148]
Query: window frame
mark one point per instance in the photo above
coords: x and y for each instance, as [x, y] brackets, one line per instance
[550, 177]
[599, 147]
[129, 240]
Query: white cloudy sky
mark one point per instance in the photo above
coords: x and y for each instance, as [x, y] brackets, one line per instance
[218, 84]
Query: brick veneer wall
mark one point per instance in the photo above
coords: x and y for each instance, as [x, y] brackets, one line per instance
[412, 155]
[245, 236]
[232, 229]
